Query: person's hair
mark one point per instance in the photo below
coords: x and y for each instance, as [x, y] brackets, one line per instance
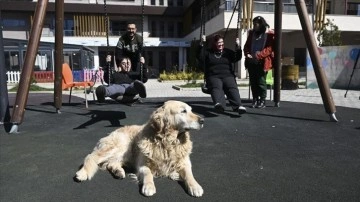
[118, 60]
[262, 22]
[215, 39]
[131, 22]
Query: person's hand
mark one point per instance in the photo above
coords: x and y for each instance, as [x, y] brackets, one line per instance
[203, 38]
[142, 60]
[108, 58]
[249, 56]
[237, 42]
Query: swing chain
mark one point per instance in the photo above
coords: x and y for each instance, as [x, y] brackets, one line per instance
[142, 38]
[107, 42]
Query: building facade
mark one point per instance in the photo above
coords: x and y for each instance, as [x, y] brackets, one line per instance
[167, 26]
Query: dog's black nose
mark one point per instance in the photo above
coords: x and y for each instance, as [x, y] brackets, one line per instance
[201, 121]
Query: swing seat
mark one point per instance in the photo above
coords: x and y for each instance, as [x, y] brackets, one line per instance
[205, 89]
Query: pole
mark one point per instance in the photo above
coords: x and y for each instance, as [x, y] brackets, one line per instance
[4, 98]
[352, 73]
[315, 59]
[277, 51]
[28, 68]
[143, 43]
[59, 24]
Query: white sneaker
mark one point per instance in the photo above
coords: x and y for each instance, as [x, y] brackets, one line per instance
[241, 110]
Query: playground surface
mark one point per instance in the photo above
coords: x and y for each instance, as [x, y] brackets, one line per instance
[290, 153]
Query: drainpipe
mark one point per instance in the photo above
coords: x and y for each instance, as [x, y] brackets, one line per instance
[346, 7]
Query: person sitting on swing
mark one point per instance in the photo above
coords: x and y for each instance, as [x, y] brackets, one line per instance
[131, 45]
[120, 83]
[219, 73]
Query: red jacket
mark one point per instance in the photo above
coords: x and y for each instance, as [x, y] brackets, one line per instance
[267, 53]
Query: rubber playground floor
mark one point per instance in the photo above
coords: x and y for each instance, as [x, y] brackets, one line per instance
[290, 153]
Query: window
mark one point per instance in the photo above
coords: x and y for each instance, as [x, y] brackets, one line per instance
[13, 23]
[170, 2]
[353, 9]
[328, 7]
[68, 27]
[153, 2]
[179, 29]
[149, 59]
[162, 61]
[118, 27]
[153, 29]
[180, 3]
[175, 60]
[162, 29]
[161, 2]
[171, 29]
[12, 60]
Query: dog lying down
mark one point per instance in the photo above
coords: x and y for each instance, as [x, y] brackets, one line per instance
[159, 148]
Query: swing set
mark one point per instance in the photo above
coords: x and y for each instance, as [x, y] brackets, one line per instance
[35, 34]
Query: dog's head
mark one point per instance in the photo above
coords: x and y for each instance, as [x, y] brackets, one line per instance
[175, 115]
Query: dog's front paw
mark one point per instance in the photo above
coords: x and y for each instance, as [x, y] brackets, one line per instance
[195, 190]
[148, 189]
[81, 175]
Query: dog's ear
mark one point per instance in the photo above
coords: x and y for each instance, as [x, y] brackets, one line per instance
[156, 119]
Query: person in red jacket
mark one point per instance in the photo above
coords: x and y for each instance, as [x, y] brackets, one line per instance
[258, 51]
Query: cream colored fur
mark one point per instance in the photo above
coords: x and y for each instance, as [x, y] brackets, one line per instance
[159, 148]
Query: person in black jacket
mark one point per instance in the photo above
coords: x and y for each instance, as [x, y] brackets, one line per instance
[219, 73]
[131, 45]
[120, 82]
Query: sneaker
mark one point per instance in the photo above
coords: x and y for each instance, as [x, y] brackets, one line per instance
[219, 108]
[140, 88]
[261, 104]
[100, 93]
[241, 110]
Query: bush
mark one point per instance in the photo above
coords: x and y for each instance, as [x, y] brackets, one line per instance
[181, 75]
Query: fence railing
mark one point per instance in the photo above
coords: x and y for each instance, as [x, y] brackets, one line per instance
[48, 76]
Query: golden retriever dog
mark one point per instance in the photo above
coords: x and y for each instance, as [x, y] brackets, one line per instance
[159, 148]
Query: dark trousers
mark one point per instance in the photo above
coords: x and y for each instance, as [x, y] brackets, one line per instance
[257, 77]
[221, 86]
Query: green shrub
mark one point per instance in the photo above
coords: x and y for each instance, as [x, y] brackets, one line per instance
[181, 75]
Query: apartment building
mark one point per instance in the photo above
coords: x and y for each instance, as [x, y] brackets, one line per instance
[168, 27]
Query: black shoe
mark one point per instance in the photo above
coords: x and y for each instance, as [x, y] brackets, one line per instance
[261, 104]
[219, 108]
[100, 93]
[253, 103]
[140, 88]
